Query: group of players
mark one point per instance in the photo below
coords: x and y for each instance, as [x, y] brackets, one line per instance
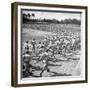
[48, 48]
[53, 44]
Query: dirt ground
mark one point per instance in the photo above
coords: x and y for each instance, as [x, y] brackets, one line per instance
[64, 66]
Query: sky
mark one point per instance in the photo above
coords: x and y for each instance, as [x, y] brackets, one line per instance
[54, 15]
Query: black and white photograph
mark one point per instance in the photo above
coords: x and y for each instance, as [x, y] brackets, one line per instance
[51, 44]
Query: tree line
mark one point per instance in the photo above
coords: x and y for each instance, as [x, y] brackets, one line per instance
[30, 18]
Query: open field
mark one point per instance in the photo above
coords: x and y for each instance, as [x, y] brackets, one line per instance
[63, 66]
[39, 31]
[60, 67]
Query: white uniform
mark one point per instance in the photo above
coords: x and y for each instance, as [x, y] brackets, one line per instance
[27, 45]
[30, 47]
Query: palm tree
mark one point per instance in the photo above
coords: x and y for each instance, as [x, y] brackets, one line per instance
[33, 15]
[28, 16]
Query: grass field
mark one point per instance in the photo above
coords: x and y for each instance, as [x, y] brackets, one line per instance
[64, 66]
[39, 31]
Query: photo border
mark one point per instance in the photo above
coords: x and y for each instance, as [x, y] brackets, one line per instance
[14, 43]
